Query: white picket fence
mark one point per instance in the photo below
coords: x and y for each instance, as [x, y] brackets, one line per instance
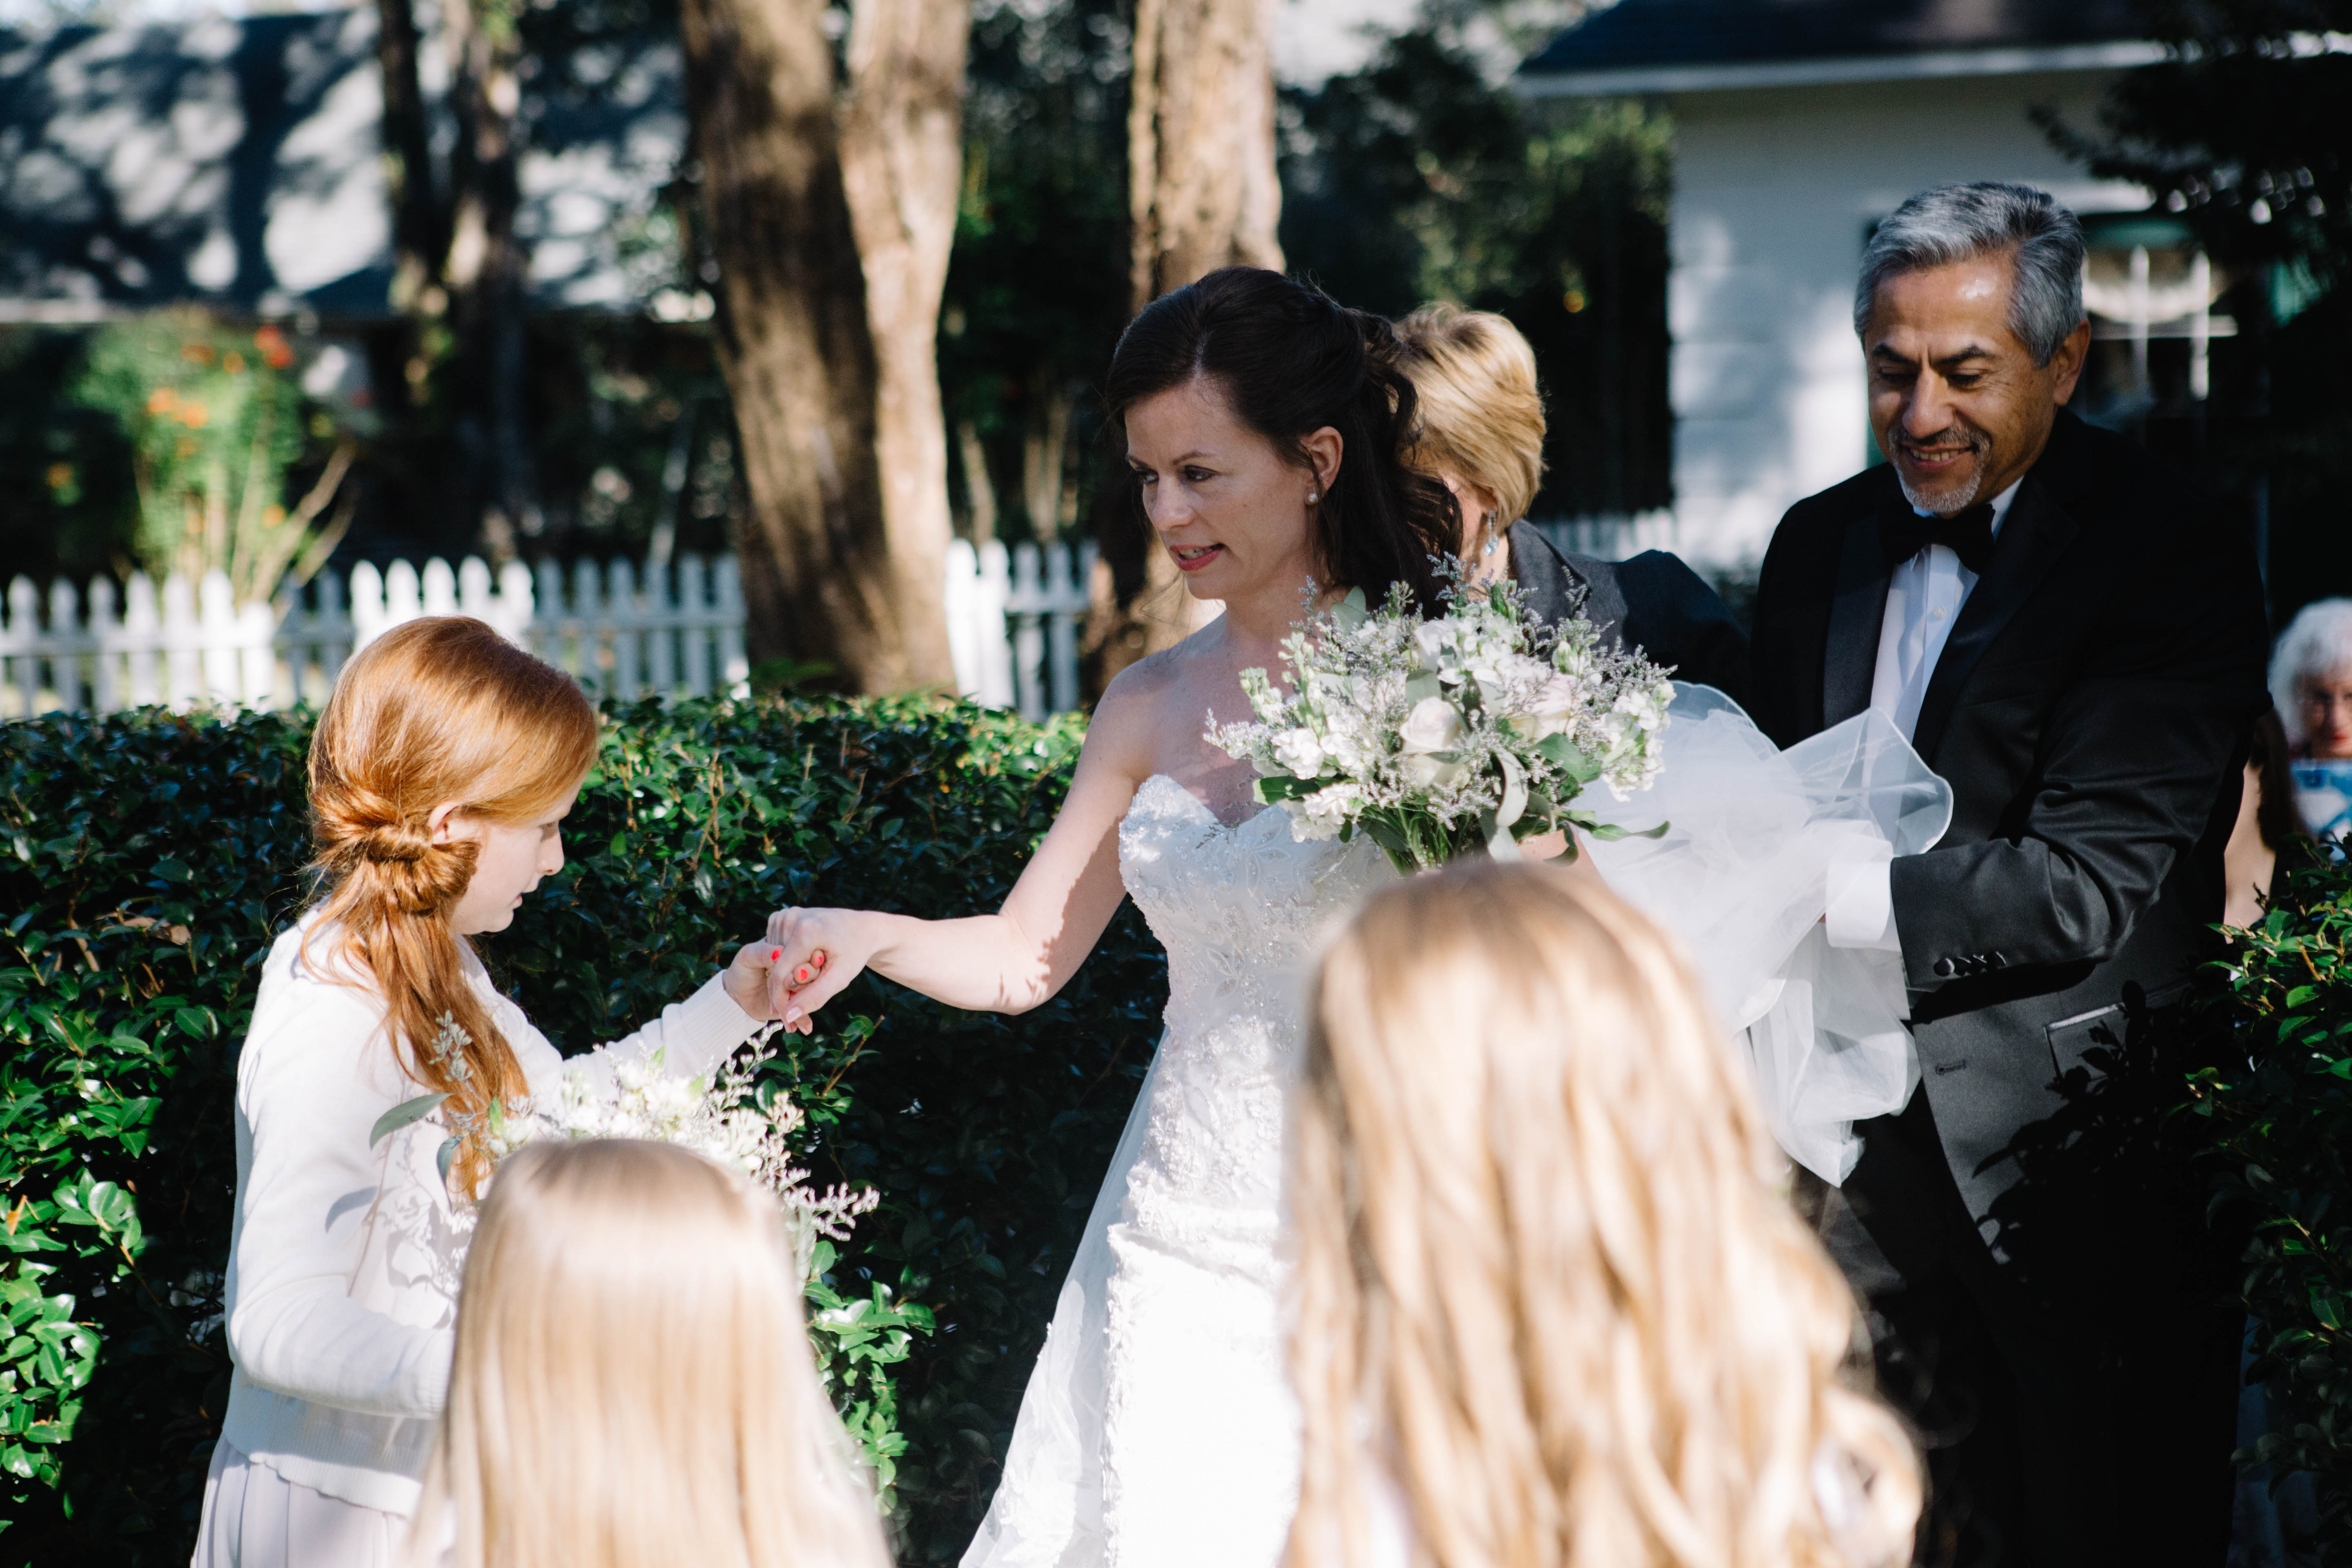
[1013, 618]
[1013, 625]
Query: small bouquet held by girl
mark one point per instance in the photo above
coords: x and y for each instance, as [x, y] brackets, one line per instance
[727, 1117]
[1443, 737]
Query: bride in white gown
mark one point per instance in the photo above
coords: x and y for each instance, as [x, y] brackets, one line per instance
[1261, 424]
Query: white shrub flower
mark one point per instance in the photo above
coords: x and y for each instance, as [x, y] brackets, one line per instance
[1324, 813]
[725, 1117]
[1299, 752]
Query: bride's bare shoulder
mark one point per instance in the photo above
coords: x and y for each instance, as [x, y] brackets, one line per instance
[1153, 682]
[1149, 700]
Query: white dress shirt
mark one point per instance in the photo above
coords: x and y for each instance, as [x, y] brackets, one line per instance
[1923, 600]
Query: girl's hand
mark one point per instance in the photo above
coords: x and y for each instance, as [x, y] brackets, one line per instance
[819, 952]
[753, 981]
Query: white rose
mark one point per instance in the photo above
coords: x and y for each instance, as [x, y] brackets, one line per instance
[1433, 725]
[1299, 752]
[1424, 772]
[1555, 704]
[1322, 814]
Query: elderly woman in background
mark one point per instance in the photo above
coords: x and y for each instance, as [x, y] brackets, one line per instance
[2311, 685]
[1481, 418]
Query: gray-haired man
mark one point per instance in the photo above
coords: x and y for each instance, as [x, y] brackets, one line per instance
[2074, 639]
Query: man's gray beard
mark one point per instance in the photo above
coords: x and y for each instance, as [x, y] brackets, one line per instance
[1944, 503]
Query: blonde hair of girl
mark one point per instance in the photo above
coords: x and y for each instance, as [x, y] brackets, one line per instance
[1544, 1264]
[435, 710]
[633, 1385]
[1481, 410]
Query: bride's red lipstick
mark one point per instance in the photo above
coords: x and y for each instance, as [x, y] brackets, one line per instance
[1193, 562]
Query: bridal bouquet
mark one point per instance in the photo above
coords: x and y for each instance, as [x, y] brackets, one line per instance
[726, 1118]
[1439, 738]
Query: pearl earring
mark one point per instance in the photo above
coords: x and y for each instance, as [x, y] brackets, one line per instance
[1493, 539]
[1311, 497]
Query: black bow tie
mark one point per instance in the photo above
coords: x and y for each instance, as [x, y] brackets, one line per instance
[1967, 533]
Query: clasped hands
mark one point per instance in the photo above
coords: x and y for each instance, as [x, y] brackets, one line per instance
[794, 971]
[766, 987]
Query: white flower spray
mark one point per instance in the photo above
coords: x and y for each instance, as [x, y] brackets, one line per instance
[726, 1117]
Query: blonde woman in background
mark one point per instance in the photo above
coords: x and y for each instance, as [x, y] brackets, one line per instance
[1481, 431]
[1552, 1310]
[633, 1385]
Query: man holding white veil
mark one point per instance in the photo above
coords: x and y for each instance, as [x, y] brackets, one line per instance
[2075, 639]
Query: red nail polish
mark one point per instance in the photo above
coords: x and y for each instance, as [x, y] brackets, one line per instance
[801, 975]
[775, 955]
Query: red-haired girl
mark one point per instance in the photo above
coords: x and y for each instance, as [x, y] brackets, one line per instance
[440, 774]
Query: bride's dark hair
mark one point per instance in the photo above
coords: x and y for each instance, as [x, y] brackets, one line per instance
[1290, 361]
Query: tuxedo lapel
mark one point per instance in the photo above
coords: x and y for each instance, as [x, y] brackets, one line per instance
[1850, 660]
[2031, 537]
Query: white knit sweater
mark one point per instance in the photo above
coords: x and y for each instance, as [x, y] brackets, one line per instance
[344, 1258]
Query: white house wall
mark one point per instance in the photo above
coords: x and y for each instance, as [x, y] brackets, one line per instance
[1775, 191]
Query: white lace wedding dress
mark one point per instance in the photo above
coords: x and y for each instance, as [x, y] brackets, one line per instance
[1159, 1429]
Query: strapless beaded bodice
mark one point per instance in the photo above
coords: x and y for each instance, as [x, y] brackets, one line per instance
[1244, 910]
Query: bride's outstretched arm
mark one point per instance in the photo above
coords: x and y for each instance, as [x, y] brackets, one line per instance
[1019, 957]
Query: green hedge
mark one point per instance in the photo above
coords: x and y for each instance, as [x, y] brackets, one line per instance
[2281, 1127]
[146, 863]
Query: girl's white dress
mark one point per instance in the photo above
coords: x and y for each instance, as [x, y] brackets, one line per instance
[345, 1257]
[1159, 1430]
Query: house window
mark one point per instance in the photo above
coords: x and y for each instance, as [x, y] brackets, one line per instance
[2156, 336]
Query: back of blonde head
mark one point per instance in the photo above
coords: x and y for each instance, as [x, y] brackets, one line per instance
[1481, 410]
[1543, 1256]
[634, 1385]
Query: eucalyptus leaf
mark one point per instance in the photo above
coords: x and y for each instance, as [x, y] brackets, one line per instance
[1276, 787]
[401, 1115]
[1514, 801]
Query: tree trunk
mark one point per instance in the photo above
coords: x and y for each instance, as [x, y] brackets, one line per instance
[797, 350]
[1045, 459]
[485, 267]
[976, 485]
[1201, 188]
[902, 170]
[1202, 193]
[418, 242]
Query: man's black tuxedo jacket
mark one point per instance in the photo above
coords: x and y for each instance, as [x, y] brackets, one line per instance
[1653, 602]
[2090, 710]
